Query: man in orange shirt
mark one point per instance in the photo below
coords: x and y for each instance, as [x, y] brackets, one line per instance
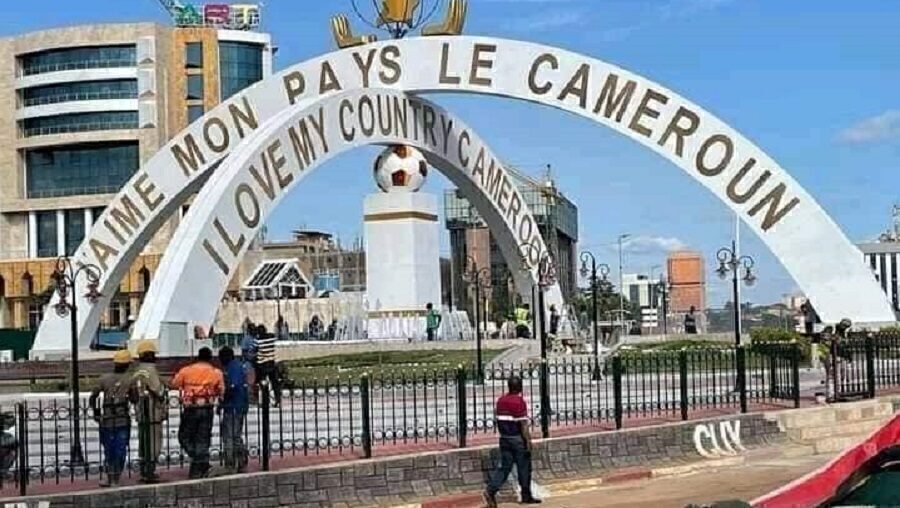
[201, 385]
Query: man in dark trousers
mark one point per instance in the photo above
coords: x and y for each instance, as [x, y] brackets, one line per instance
[148, 394]
[201, 385]
[233, 410]
[113, 417]
[432, 322]
[265, 361]
[515, 444]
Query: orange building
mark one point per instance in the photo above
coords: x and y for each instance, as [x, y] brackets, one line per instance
[687, 281]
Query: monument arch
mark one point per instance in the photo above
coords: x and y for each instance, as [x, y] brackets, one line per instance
[785, 217]
[208, 246]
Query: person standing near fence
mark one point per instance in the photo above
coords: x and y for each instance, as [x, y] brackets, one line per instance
[148, 394]
[233, 410]
[201, 385]
[432, 322]
[113, 417]
[515, 444]
[265, 361]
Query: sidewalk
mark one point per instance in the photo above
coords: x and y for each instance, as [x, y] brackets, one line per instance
[744, 477]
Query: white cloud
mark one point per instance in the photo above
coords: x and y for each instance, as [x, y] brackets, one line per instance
[647, 245]
[877, 128]
[545, 21]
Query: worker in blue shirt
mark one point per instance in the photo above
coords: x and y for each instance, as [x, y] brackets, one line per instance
[234, 407]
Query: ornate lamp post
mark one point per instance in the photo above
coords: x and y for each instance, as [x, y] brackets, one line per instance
[603, 269]
[729, 261]
[546, 275]
[479, 280]
[65, 278]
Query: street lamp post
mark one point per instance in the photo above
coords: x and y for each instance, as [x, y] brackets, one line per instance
[65, 278]
[604, 273]
[479, 279]
[621, 286]
[730, 262]
[546, 277]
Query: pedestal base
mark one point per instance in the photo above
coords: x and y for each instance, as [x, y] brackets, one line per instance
[406, 327]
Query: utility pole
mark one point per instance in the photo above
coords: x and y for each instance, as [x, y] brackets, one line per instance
[621, 287]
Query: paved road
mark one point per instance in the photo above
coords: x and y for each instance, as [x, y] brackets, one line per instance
[744, 482]
[319, 419]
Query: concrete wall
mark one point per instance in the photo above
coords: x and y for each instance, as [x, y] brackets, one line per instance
[397, 480]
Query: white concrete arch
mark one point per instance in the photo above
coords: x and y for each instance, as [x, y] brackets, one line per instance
[817, 254]
[230, 210]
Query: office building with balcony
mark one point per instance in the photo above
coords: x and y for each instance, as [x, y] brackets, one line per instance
[557, 219]
[82, 108]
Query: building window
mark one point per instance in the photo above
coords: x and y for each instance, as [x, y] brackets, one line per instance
[194, 113]
[90, 57]
[193, 55]
[119, 310]
[240, 65]
[27, 284]
[81, 91]
[97, 168]
[35, 315]
[195, 86]
[46, 234]
[74, 230]
[80, 122]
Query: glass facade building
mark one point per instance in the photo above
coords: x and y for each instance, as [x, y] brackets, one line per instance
[96, 168]
[88, 105]
[88, 57]
[79, 122]
[240, 65]
[74, 221]
[46, 234]
[80, 91]
[557, 219]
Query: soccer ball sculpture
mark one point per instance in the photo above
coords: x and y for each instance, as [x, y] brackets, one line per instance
[400, 168]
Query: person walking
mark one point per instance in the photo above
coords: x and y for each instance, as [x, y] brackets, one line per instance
[554, 321]
[282, 331]
[113, 417]
[265, 361]
[201, 385]
[148, 395]
[523, 322]
[515, 444]
[233, 410]
[690, 321]
[432, 322]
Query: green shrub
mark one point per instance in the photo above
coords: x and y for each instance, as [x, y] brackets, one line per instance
[759, 337]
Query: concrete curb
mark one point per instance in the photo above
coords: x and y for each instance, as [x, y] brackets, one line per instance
[474, 499]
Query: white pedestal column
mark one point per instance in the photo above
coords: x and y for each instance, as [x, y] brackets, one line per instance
[60, 233]
[402, 263]
[32, 235]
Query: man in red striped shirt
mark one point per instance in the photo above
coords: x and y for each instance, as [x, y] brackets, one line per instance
[515, 444]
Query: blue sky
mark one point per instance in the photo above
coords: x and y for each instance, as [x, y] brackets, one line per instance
[814, 83]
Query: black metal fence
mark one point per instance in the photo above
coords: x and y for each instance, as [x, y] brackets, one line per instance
[387, 413]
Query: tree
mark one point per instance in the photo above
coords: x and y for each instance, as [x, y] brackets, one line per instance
[607, 303]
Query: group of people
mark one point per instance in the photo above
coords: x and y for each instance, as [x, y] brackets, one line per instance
[205, 389]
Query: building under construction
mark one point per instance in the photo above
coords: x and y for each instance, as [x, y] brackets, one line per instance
[883, 258]
[557, 218]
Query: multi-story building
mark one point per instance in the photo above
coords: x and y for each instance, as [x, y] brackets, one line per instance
[327, 264]
[687, 282]
[557, 219]
[82, 108]
[883, 257]
[640, 290]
